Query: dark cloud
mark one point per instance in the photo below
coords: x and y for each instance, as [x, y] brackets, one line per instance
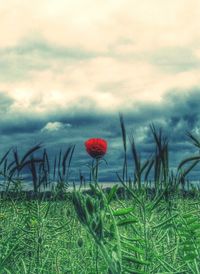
[176, 114]
[20, 125]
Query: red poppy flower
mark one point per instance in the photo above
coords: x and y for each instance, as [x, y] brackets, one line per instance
[96, 147]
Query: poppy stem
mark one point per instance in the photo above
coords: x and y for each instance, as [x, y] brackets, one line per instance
[97, 170]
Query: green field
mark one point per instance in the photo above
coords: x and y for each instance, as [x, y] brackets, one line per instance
[136, 235]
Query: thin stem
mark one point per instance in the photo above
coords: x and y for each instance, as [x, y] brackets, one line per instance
[97, 170]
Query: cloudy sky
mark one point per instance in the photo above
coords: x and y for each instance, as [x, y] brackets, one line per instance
[68, 67]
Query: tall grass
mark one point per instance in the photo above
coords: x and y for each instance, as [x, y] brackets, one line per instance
[43, 173]
[149, 230]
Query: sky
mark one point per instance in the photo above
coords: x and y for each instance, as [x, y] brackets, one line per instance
[67, 68]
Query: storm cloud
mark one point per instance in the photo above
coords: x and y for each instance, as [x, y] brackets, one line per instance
[176, 114]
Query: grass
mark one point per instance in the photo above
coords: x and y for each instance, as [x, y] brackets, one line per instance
[142, 230]
[156, 236]
[43, 237]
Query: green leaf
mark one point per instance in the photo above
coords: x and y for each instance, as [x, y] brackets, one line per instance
[127, 221]
[112, 193]
[132, 247]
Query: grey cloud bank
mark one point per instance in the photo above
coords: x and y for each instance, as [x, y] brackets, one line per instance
[176, 114]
